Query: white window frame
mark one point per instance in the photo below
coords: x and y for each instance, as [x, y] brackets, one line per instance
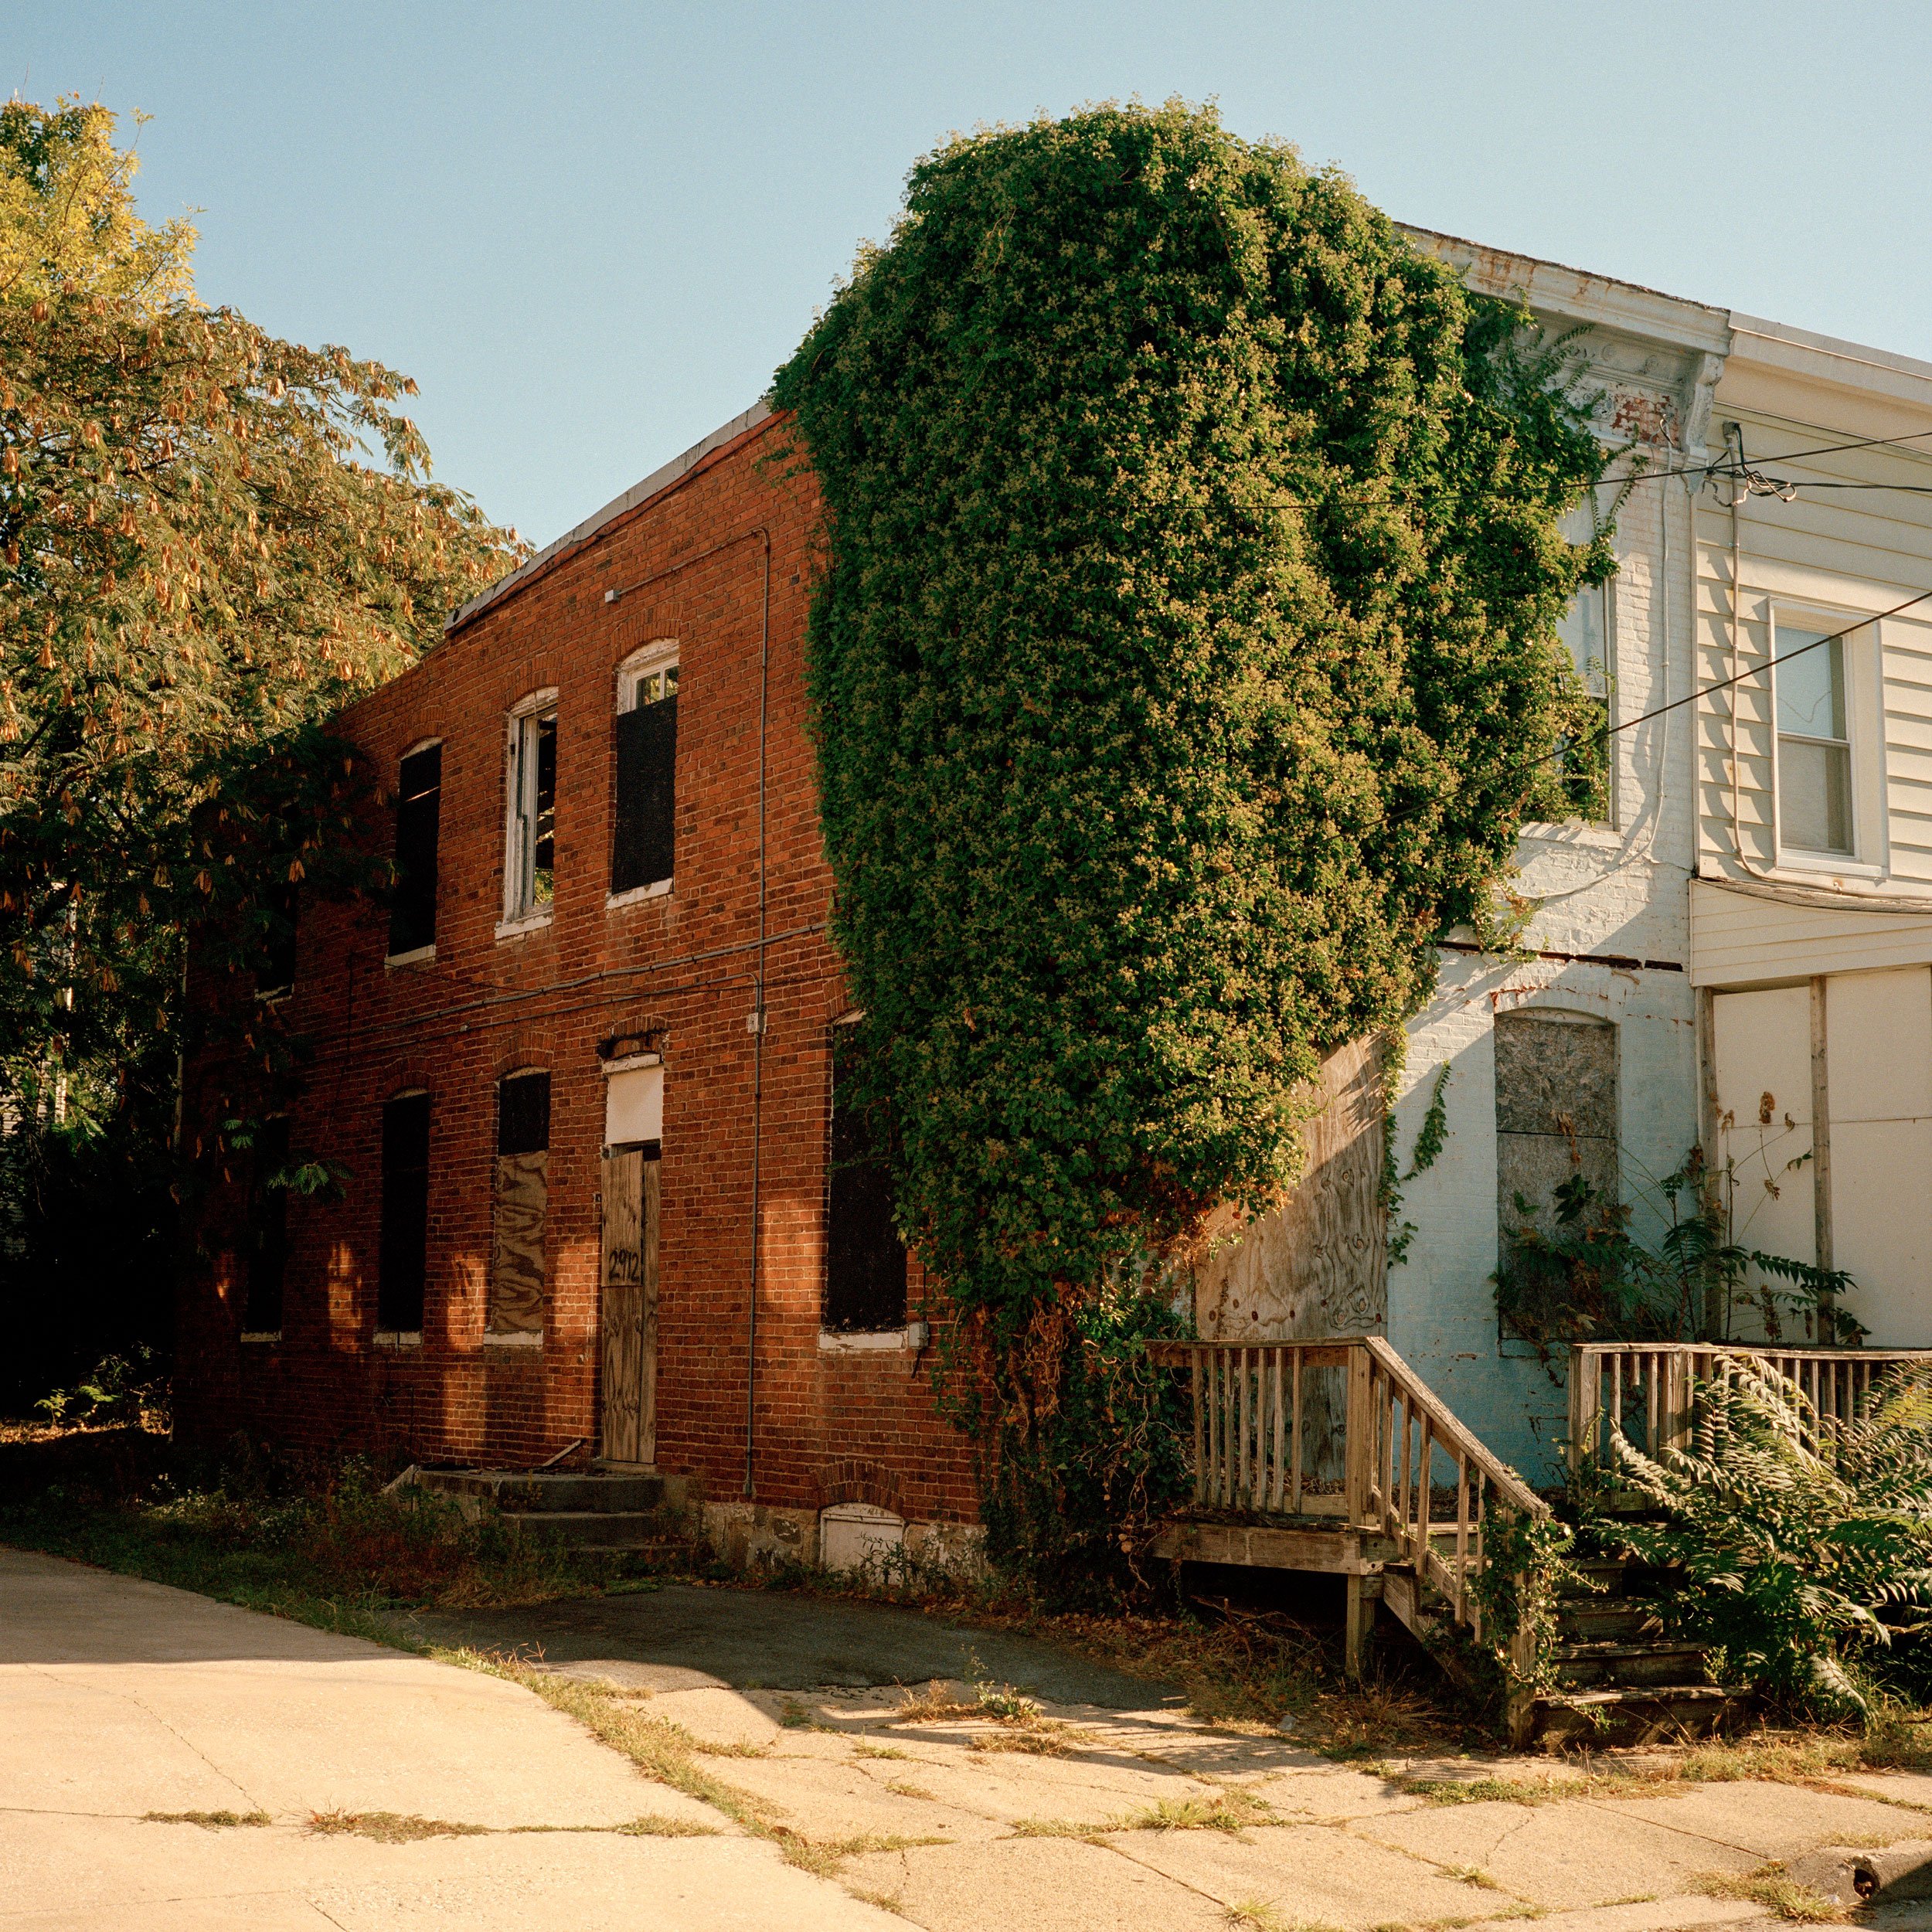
[521, 912]
[650, 660]
[1862, 658]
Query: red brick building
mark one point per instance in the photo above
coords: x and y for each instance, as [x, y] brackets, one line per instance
[581, 1076]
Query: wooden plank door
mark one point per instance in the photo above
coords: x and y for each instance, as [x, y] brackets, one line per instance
[628, 1428]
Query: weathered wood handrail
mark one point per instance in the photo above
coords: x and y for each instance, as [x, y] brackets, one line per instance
[1250, 1454]
[1642, 1389]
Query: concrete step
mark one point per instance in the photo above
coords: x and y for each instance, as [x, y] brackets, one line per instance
[544, 1492]
[1646, 1714]
[595, 1528]
[1591, 1665]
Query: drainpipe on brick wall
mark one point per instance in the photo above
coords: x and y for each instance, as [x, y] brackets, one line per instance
[757, 1023]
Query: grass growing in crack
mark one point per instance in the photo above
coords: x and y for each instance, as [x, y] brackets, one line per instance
[1770, 1885]
[389, 1827]
[1473, 1875]
[904, 1787]
[825, 1856]
[1021, 1725]
[208, 1821]
[879, 1750]
[1231, 1811]
[1258, 1915]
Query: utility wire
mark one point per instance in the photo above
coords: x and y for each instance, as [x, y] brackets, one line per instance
[1724, 684]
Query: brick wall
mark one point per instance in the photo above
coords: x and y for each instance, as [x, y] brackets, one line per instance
[829, 1427]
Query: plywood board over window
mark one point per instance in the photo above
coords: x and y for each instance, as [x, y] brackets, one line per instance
[1318, 1265]
[521, 1198]
[1556, 1114]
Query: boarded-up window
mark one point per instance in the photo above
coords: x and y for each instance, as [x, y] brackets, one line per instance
[403, 1262]
[864, 1259]
[647, 730]
[267, 1229]
[522, 1196]
[412, 918]
[1556, 1114]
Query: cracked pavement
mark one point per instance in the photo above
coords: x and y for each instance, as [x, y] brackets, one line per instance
[120, 1699]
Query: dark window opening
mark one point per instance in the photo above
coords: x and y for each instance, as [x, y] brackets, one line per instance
[412, 918]
[403, 1262]
[644, 837]
[267, 1229]
[276, 974]
[543, 849]
[523, 1114]
[864, 1259]
[519, 1204]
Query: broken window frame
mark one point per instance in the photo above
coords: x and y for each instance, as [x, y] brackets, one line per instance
[644, 799]
[530, 837]
[419, 796]
[864, 1259]
[1599, 673]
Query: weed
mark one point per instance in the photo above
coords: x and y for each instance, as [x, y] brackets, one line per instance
[878, 1750]
[1228, 1811]
[823, 1856]
[208, 1821]
[795, 1717]
[389, 1827]
[1473, 1875]
[1770, 1885]
[903, 1788]
[1258, 1916]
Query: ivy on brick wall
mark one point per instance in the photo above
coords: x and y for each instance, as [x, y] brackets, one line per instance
[1185, 658]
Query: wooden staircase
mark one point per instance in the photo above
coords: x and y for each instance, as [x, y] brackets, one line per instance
[1376, 1481]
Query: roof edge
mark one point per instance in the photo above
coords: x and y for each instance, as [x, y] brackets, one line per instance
[655, 484]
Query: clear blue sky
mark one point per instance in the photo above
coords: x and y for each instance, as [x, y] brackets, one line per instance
[592, 232]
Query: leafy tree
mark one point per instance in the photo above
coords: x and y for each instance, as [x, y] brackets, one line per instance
[1184, 659]
[209, 540]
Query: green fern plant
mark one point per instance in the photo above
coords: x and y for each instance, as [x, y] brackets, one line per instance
[1804, 1542]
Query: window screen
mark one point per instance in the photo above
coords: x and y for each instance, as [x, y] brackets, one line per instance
[864, 1259]
[403, 1261]
[267, 1230]
[412, 918]
[642, 839]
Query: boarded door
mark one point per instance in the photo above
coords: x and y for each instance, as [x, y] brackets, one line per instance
[630, 1299]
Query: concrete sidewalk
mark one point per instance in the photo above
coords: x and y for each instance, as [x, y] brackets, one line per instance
[121, 1702]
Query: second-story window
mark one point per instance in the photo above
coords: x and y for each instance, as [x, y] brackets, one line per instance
[642, 835]
[529, 858]
[1589, 765]
[412, 918]
[1813, 743]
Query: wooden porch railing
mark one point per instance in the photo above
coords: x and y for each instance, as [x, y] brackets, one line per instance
[1408, 1471]
[1642, 1390]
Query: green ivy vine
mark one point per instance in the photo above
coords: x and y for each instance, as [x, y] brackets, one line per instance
[1184, 657]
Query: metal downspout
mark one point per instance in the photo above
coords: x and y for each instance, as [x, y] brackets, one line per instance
[756, 1021]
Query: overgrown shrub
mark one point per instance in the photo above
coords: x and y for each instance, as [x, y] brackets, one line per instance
[1804, 1542]
[1079, 1440]
[1585, 1277]
[1184, 660]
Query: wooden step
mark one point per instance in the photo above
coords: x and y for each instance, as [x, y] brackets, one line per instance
[1594, 1620]
[1666, 1660]
[1637, 1714]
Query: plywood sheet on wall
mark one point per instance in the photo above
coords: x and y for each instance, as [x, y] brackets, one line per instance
[1317, 1264]
[516, 1244]
[628, 1427]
